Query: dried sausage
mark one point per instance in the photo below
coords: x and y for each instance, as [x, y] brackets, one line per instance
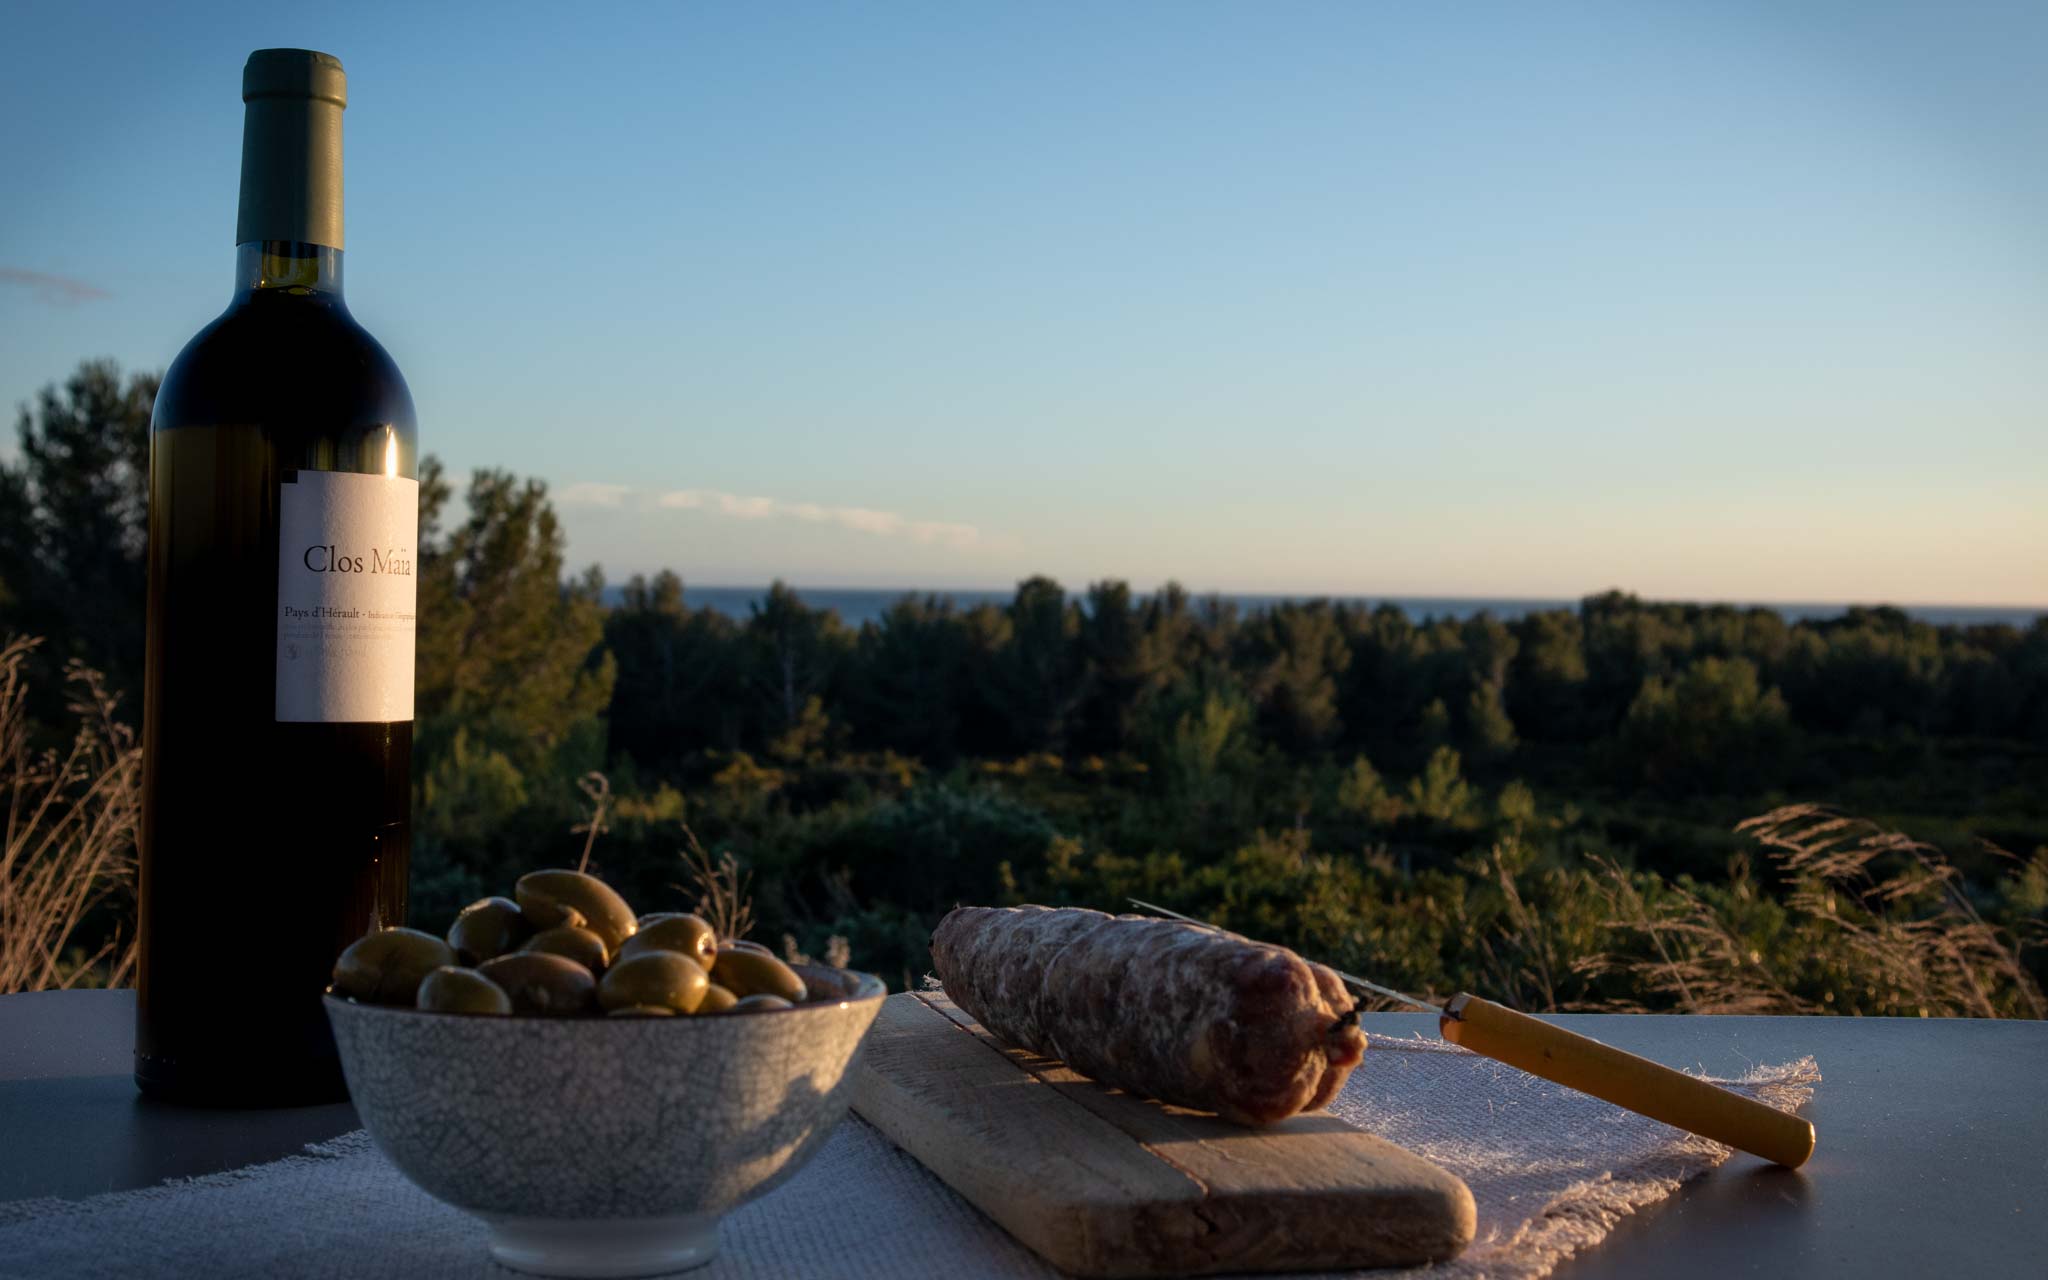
[1186, 1014]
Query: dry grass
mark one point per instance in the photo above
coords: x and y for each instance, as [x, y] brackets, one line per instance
[1893, 908]
[723, 893]
[69, 841]
[724, 897]
[1875, 922]
[1700, 963]
[838, 951]
[1526, 966]
[598, 790]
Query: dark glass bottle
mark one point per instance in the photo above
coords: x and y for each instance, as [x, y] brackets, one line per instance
[277, 708]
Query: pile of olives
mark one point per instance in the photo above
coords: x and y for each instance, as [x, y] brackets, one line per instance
[568, 946]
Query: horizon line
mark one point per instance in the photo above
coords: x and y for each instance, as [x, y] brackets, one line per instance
[1371, 596]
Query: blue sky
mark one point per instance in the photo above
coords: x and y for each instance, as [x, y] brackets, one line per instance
[1732, 301]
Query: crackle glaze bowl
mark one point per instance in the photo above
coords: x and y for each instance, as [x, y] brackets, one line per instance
[605, 1146]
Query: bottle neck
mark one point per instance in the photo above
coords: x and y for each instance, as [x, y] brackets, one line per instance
[288, 267]
[291, 149]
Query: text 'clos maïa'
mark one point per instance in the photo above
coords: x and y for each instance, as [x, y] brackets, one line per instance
[328, 558]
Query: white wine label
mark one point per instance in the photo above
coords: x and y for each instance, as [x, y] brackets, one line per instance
[347, 586]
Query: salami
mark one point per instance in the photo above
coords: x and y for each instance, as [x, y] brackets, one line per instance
[1189, 1015]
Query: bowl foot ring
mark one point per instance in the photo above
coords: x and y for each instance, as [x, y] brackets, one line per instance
[604, 1247]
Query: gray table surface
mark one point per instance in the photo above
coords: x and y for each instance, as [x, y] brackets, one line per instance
[1933, 1153]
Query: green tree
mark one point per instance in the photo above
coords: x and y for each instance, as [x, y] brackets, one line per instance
[468, 793]
[1489, 734]
[793, 655]
[1131, 653]
[1210, 646]
[1035, 681]
[1441, 794]
[1545, 691]
[906, 692]
[74, 524]
[1293, 655]
[1436, 724]
[503, 639]
[1516, 805]
[1488, 647]
[676, 690]
[1867, 671]
[1204, 754]
[1626, 641]
[1387, 683]
[509, 687]
[1712, 727]
[1362, 791]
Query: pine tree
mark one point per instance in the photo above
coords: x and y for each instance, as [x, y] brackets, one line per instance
[504, 641]
[906, 689]
[677, 689]
[1131, 653]
[1293, 654]
[793, 656]
[74, 524]
[1034, 683]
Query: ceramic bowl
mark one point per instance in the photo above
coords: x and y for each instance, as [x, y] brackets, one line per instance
[605, 1146]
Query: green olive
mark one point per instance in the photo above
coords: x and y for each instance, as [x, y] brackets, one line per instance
[546, 897]
[716, 1000]
[746, 973]
[684, 933]
[386, 967]
[452, 990]
[573, 941]
[540, 982]
[666, 978]
[642, 1011]
[656, 917]
[763, 1001]
[743, 944]
[486, 928]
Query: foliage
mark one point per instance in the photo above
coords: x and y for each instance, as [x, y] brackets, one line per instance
[505, 640]
[1895, 932]
[511, 682]
[1441, 793]
[1709, 728]
[74, 520]
[1538, 807]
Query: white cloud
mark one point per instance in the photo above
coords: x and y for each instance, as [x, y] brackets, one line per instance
[731, 504]
[591, 493]
[953, 535]
[881, 524]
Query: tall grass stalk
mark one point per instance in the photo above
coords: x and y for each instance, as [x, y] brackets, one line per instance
[68, 845]
[1871, 916]
[1701, 963]
[724, 893]
[1896, 908]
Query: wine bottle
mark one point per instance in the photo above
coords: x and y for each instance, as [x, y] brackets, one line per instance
[278, 681]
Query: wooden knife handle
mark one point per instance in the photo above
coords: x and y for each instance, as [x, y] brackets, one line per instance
[1638, 1084]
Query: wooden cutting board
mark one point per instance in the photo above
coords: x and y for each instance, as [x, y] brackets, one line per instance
[1100, 1183]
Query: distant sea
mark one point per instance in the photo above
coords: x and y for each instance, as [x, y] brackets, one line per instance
[856, 605]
